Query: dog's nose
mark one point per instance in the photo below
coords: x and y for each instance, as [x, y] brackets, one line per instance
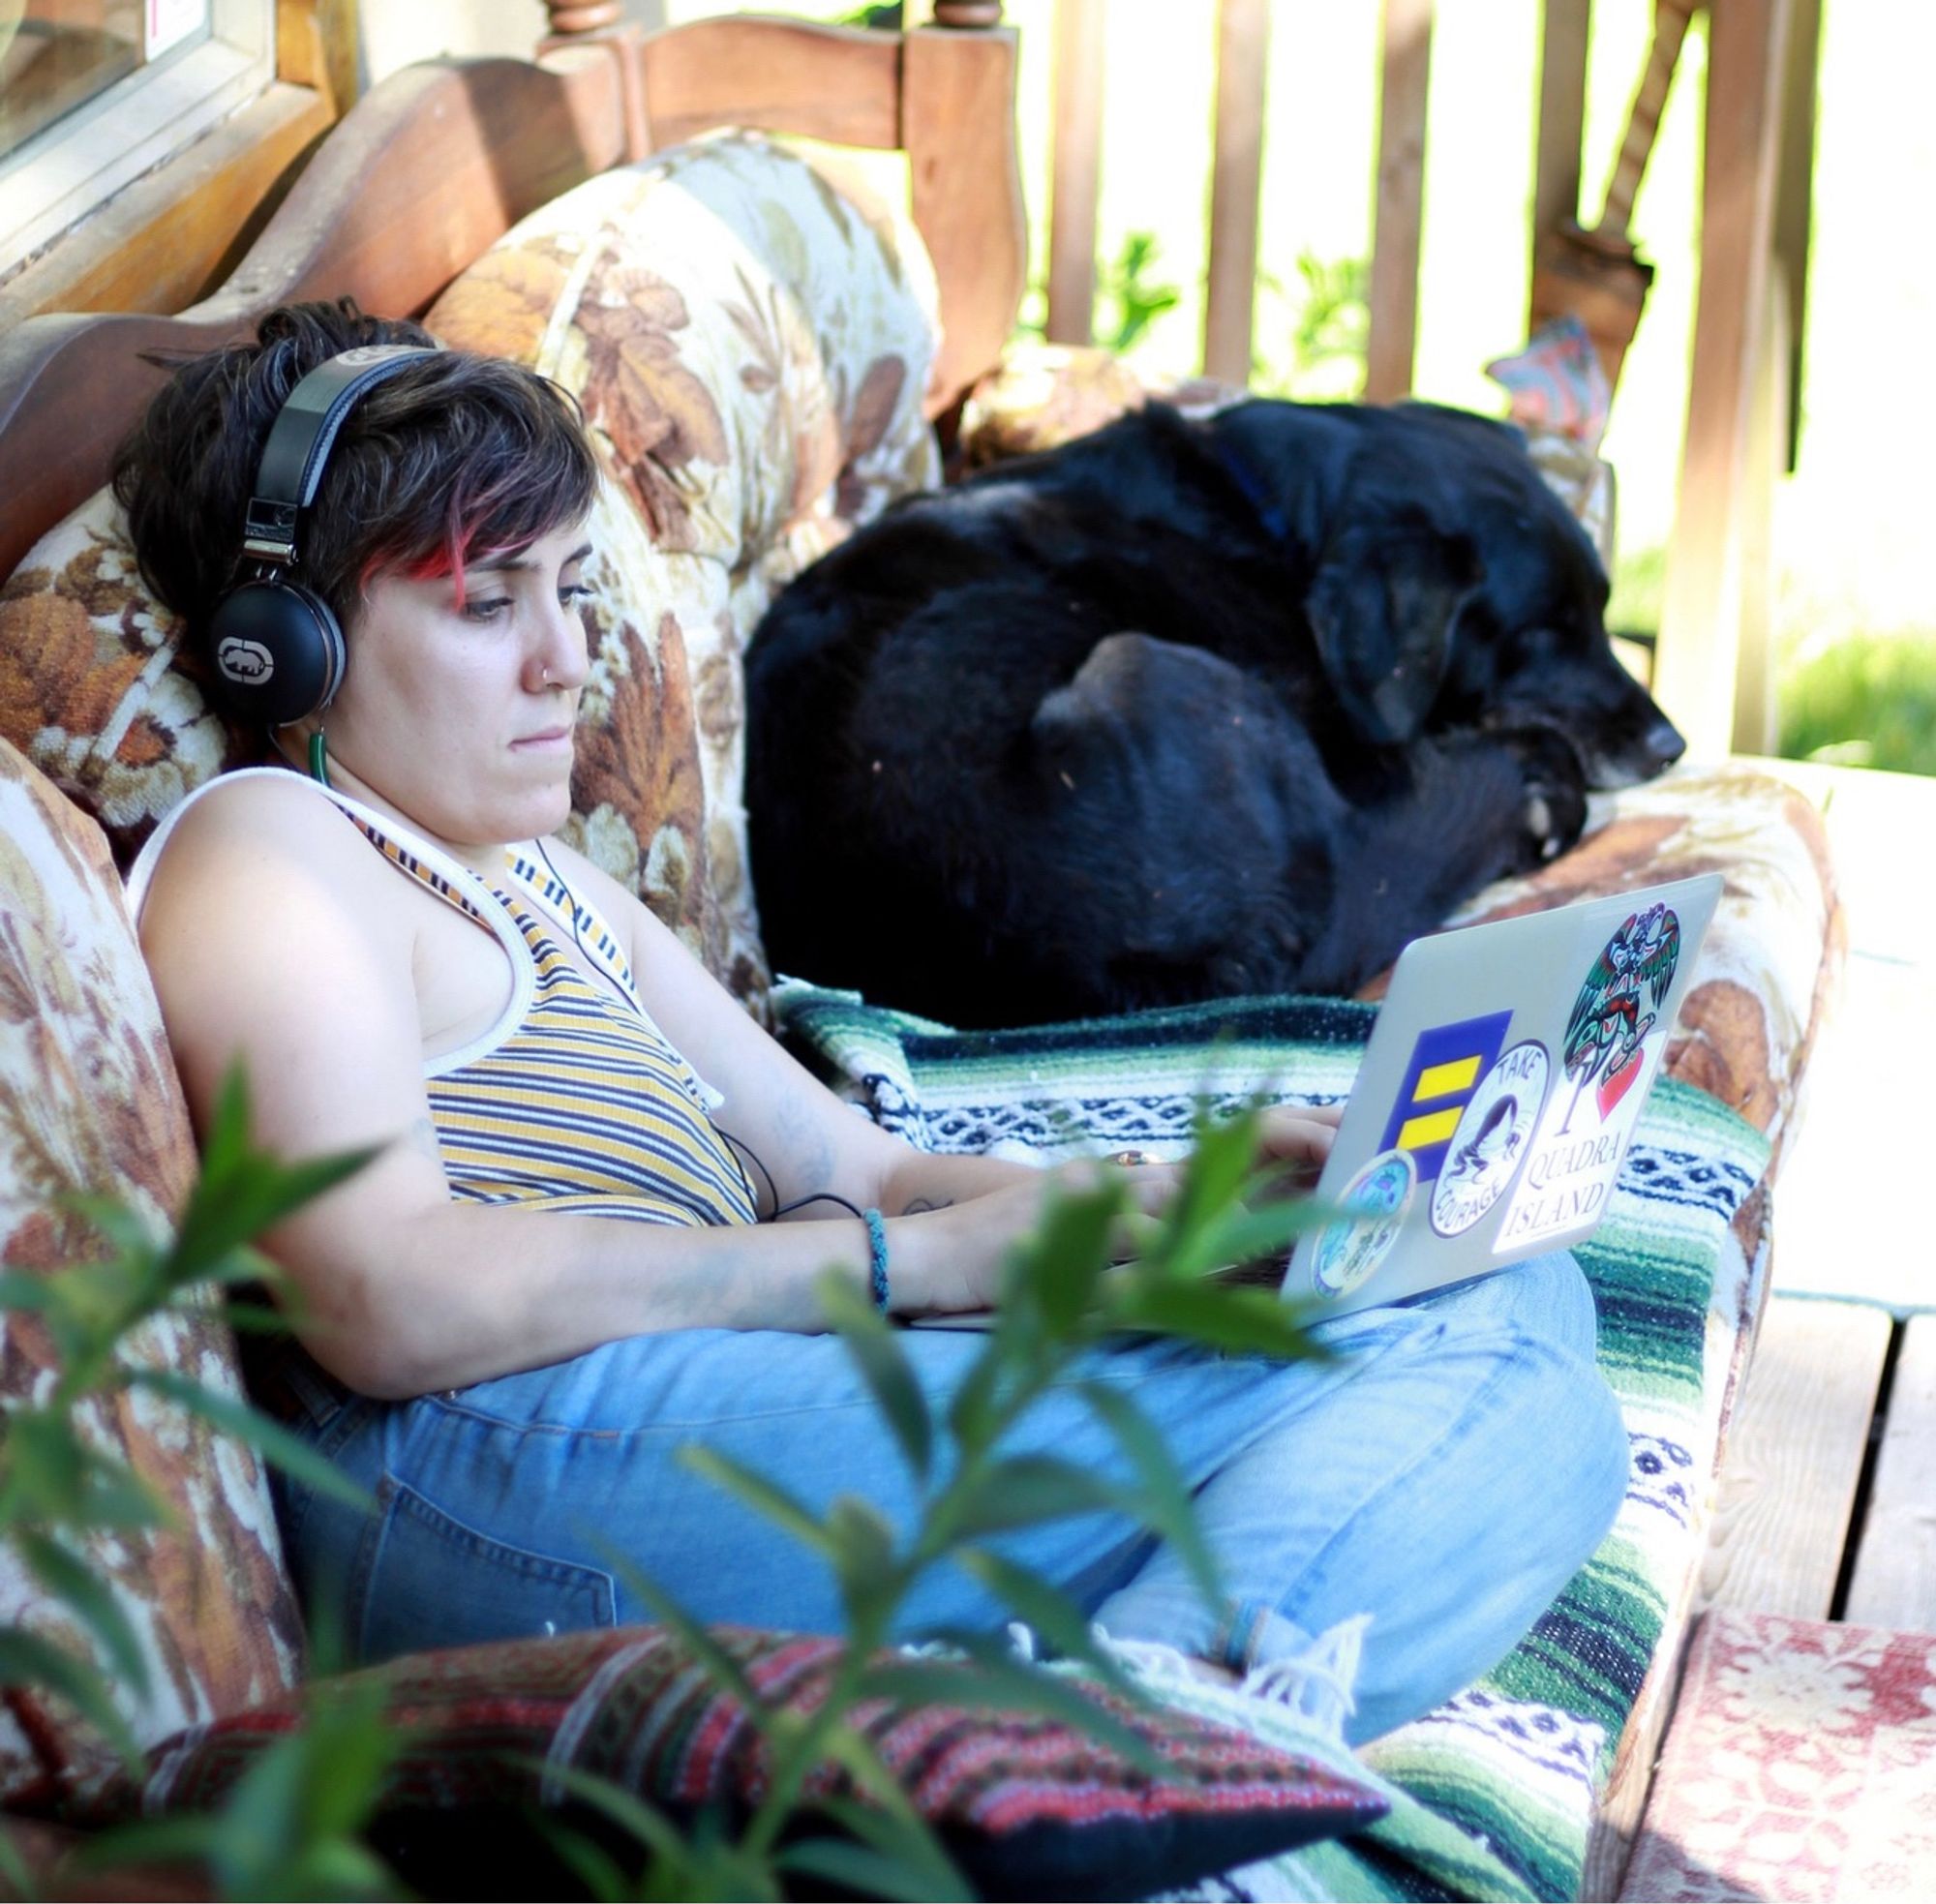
[1665, 741]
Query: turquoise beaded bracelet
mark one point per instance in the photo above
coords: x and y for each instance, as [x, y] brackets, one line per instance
[877, 1259]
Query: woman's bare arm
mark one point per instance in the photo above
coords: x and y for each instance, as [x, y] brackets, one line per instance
[275, 941]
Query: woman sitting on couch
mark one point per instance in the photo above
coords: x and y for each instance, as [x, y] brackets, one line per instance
[401, 954]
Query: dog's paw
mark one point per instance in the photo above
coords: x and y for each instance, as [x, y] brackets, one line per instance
[1553, 808]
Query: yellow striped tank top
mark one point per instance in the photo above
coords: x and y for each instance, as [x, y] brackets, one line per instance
[574, 1099]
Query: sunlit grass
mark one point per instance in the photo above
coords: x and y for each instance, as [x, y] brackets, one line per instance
[1868, 702]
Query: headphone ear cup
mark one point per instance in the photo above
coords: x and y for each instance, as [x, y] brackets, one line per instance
[278, 652]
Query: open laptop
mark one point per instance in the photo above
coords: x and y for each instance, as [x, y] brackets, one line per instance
[1498, 1092]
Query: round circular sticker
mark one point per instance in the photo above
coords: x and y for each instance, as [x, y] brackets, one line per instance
[1378, 1196]
[1491, 1142]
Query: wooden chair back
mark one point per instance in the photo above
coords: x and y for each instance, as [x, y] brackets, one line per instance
[443, 159]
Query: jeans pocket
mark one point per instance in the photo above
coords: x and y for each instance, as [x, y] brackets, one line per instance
[428, 1579]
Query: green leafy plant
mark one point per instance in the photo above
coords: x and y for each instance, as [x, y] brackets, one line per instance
[1324, 319]
[1130, 295]
[1060, 1297]
[293, 1827]
[292, 1833]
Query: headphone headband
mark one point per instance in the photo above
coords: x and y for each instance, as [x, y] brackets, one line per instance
[299, 444]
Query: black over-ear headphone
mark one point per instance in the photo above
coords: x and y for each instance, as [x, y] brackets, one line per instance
[278, 650]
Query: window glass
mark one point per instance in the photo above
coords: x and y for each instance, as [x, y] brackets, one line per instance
[56, 55]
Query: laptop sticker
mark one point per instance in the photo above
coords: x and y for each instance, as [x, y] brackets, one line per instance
[1378, 1196]
[1447, 1065]
[1493, 1138]
[1608, 1026]
[1614, 1039]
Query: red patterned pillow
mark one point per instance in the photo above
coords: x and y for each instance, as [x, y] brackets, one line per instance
[1026, 1805]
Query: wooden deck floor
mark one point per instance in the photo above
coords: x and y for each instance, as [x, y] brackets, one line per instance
[1826, 1507]
[1829, 1500]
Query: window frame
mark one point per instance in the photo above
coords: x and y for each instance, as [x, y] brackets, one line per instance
[63, 171]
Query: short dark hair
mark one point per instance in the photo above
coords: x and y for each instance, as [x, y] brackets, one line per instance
[454, 457]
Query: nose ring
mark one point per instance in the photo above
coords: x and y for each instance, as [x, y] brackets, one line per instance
[546, 680]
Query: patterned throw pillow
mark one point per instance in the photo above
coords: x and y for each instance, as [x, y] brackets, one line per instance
[89, 1103]
[1029, 1806]
[751, 347]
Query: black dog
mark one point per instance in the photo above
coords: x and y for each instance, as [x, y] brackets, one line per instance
[1179, 710]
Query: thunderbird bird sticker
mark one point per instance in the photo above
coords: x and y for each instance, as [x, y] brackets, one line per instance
[1609, 1025]
[1613, 1040]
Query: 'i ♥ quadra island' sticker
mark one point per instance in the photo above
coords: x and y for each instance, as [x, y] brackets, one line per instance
[1613, 1040]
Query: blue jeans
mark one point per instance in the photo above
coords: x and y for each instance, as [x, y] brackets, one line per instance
[1446, 1474]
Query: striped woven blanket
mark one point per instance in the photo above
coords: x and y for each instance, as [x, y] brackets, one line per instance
[1496, 1788]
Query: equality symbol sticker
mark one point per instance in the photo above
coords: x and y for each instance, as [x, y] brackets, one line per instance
[1378, 1198]
[1446, 1064]
[1493, 1138]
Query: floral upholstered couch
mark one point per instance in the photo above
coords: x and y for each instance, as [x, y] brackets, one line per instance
[749, 334]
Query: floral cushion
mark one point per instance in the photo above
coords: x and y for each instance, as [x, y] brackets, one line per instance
[89, 1104]
[1027, 1804]
[750, 345]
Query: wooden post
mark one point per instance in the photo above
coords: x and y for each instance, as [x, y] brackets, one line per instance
[1075, 176]
[958, 130]
[1406, 41]
[1563, 116]
[579, 20]
[602, 23]
[1794, 193]
[315, 46]
[1701, 617]
[1236, 188]
[1757, 714]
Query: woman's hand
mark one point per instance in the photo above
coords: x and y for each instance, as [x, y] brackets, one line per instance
[955, 1256]
[1294, 1140]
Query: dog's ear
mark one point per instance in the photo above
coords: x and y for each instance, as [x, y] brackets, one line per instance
[1383, 606]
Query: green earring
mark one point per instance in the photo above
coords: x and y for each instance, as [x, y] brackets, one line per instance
[319, 756]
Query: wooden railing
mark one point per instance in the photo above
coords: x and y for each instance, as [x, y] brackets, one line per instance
[1712, 657]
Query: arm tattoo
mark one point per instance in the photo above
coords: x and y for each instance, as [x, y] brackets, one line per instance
[915, 1205]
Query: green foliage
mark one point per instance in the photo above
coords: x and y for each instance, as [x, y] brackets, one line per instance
[293, 1829]
[1334, 318]
[1324, 321]
[1639, 591]
[1060, 1296]
[1130, 295]
[1868, 702]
